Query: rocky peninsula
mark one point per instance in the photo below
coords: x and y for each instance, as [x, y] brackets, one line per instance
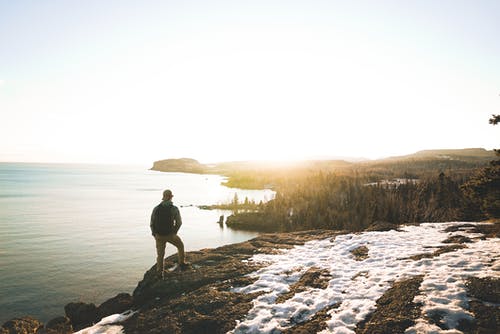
[192, 301]
[208, 298]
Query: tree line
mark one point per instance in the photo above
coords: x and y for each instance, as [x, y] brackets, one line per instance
[352, 201]
[329, 201]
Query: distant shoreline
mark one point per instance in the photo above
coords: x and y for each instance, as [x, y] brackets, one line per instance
[259, 175]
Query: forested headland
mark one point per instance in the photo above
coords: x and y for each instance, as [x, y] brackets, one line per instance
[429, 186]
[328, 200]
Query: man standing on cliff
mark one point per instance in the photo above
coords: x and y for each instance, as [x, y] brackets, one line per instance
[165, 222]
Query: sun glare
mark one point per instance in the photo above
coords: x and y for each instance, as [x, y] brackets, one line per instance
[241, 84]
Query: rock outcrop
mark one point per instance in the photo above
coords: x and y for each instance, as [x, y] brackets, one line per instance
[82, 315]
[200, 300]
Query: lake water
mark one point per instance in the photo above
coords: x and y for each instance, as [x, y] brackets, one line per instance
[81, 232]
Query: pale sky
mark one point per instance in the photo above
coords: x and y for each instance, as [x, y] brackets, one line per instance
[138, 81]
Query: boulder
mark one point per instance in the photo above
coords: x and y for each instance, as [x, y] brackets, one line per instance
[381, 226]
[59, 325]
[24, 325]
[118, 304]
[81, 314]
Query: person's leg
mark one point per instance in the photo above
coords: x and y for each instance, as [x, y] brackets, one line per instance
[177, 242]
[161, 242]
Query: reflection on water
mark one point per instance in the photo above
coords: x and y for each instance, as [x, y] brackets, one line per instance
[81, 232]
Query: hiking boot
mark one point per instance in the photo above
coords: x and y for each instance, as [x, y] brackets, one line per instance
[185, 265]
[157, 275]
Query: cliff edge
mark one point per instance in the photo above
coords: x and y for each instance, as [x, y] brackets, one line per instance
[382, 280]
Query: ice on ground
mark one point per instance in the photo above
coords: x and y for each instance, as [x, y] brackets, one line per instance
[356, 285]
[108, 325]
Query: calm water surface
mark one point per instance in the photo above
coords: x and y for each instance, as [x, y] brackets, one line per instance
[81, 232]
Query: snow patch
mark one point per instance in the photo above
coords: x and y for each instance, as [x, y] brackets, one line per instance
[108, 325]
[356, 285]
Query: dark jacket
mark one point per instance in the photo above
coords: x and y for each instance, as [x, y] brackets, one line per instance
[176, 215]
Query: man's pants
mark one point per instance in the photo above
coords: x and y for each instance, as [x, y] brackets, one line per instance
[161, 241]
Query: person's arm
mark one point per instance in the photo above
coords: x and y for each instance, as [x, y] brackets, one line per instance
[178, 219]
[151, 224]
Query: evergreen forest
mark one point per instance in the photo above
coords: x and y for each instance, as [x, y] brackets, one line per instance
[391, 193]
